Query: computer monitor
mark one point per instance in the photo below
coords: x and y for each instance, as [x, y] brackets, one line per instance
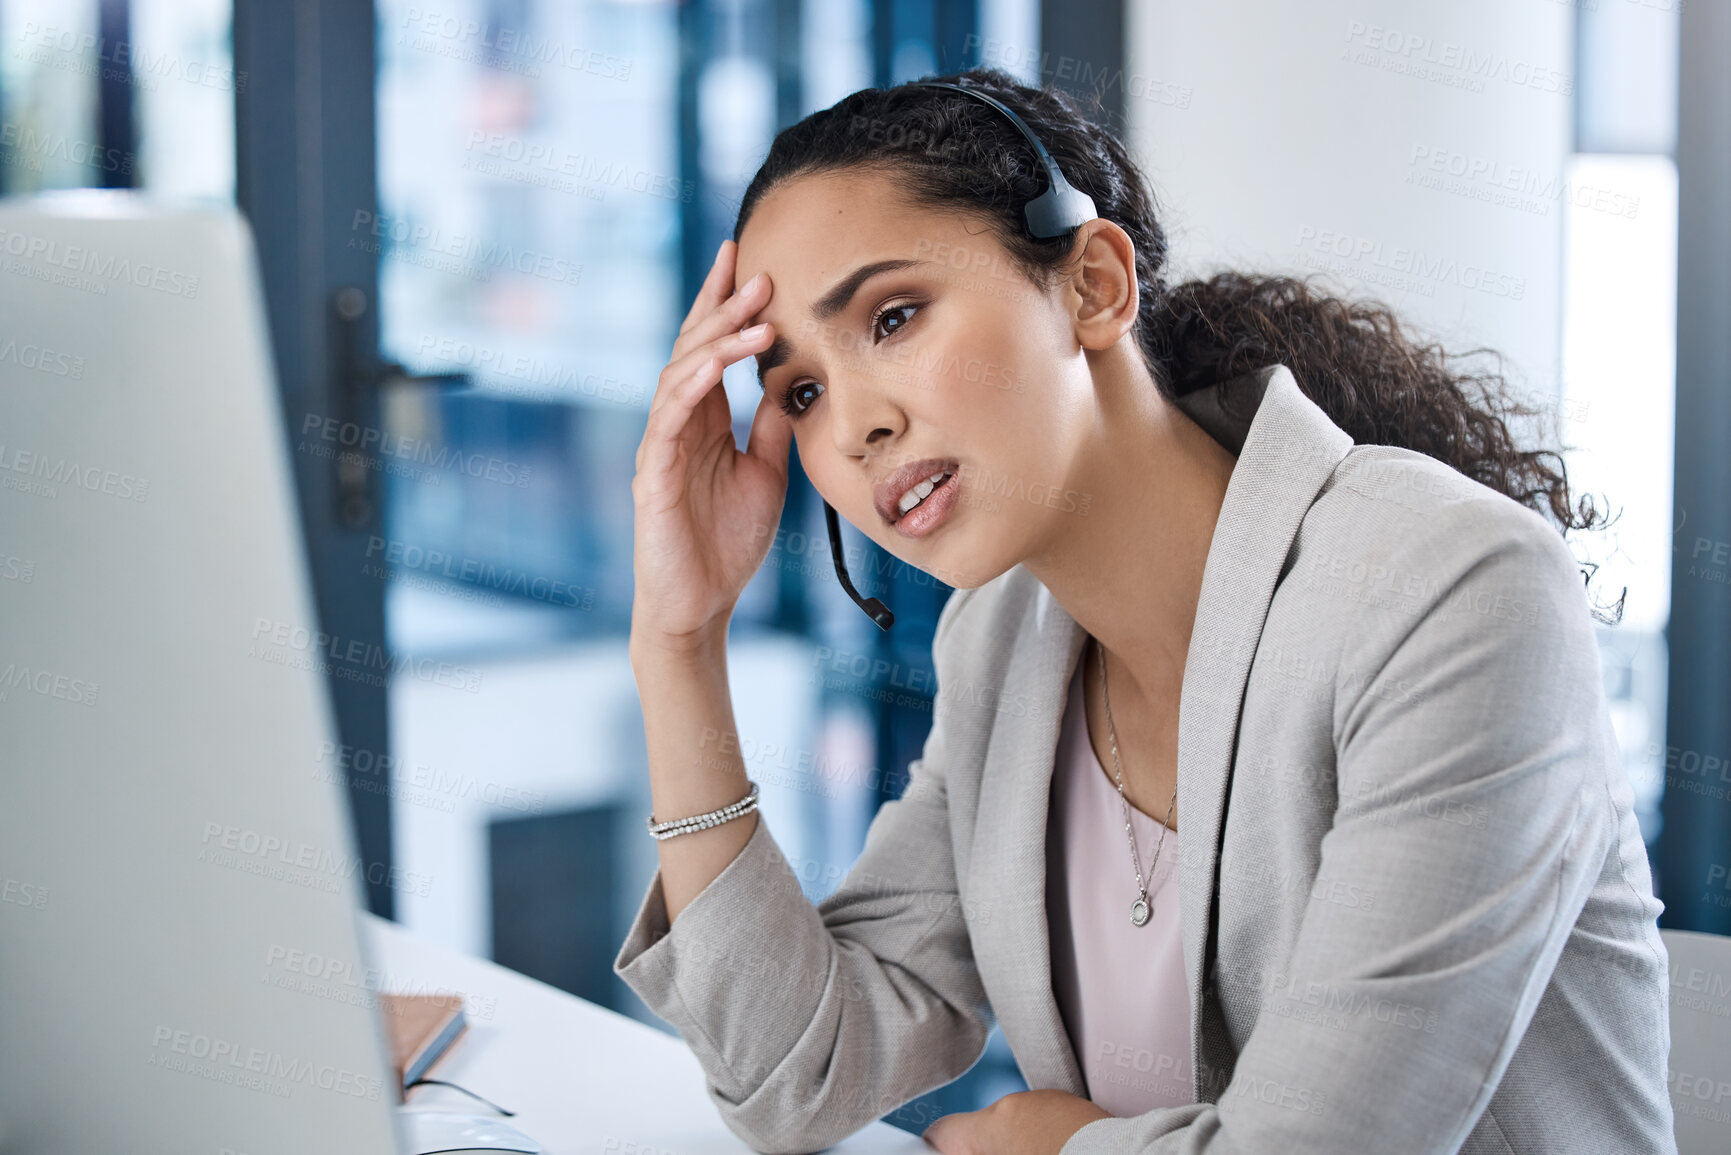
[180, 963]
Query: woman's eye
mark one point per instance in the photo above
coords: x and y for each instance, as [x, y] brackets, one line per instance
[878, 321]
[791, 400]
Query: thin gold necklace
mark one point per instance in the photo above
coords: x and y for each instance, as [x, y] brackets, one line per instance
[1143, 907]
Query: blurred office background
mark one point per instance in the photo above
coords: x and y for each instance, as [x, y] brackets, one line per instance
[481, 221]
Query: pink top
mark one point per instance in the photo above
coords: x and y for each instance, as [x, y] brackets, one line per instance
[1121, 987]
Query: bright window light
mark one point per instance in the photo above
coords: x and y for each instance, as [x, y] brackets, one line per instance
[1620, 365]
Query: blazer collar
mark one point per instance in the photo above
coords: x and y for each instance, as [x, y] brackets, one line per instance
[1287, 448]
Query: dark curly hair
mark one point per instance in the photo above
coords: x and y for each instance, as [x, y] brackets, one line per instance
[1353, 358]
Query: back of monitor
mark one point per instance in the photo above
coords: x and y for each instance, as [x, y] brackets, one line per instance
[180, 969]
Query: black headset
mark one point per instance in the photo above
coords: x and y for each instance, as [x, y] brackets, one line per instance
[1061, 208]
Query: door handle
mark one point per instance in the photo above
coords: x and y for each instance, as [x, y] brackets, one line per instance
[359, 375]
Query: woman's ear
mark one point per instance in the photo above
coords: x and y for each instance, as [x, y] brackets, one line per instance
[1105, 300]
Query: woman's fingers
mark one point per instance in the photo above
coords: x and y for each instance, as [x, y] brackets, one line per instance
[710, 339]
[674, 405]
[682, 401]
[660, 448]
[717, 296]
[729, 346]
[727, 317]
[698, 370]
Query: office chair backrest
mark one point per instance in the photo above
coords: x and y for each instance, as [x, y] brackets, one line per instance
[1700, 1064]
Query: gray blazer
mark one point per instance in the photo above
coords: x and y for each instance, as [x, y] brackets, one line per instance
[1416, 909]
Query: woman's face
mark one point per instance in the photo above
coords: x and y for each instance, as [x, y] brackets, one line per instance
[954, 360]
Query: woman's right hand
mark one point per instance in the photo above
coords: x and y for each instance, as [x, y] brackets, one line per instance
[705, 512]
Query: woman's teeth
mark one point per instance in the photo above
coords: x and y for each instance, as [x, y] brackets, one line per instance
[920, 492]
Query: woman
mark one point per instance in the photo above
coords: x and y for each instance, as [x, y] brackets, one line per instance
[1295, 588]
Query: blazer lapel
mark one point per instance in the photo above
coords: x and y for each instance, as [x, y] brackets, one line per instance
[1287, 448]
[1287, 455]
[1008, 871]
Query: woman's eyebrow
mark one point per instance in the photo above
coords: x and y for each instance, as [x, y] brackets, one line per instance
[837, 298]
[826, 307]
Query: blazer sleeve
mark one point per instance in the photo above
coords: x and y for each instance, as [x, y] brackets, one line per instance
[1427, 943]
[812, 1021]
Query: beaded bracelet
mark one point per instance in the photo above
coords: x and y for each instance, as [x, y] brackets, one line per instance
[703, 821]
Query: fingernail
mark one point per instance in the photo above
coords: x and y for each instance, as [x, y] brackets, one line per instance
[751, 284]
[755, 331]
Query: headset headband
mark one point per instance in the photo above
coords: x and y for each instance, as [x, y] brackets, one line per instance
[1062, 206]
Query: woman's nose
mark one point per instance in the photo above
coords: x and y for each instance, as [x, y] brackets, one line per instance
[863, 415]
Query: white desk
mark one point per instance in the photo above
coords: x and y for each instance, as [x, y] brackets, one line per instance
[582, 1079]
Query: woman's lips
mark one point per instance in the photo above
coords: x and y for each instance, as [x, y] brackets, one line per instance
[930, 513]
[887, 496]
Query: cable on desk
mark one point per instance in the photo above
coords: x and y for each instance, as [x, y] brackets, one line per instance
[465, 1090]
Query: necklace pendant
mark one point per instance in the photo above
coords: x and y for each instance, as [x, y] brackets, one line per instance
[1139, 911]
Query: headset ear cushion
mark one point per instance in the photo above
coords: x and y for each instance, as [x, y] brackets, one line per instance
[1058, 210]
